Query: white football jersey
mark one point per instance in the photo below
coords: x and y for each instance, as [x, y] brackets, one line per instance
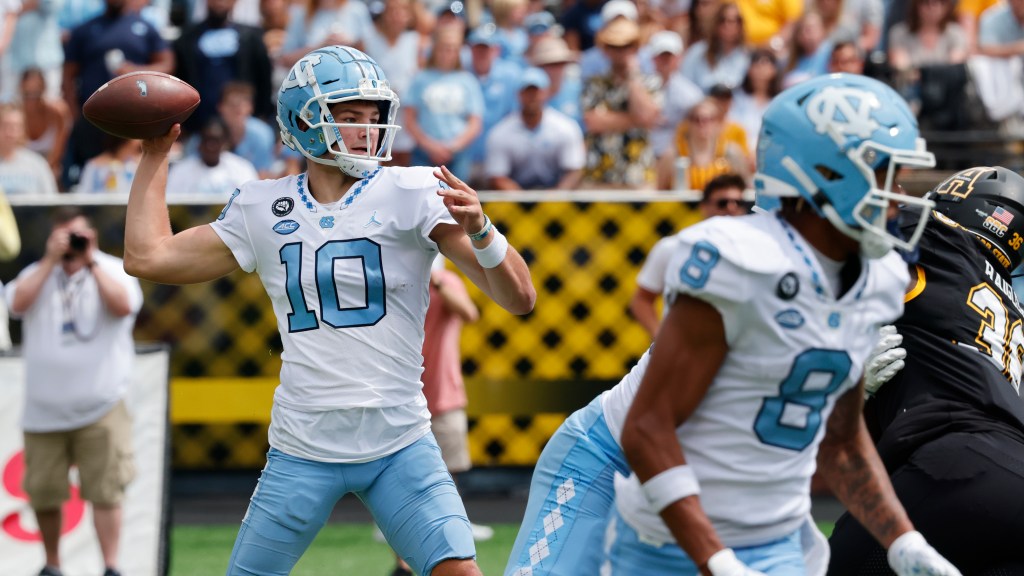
[793, 350]
[349, 287]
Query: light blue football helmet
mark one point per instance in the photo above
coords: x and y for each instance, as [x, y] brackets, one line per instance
[326, 76]
[824, 140]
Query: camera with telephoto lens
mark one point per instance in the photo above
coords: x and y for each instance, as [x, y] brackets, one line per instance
[77, 242]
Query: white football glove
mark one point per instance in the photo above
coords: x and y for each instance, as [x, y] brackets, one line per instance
[725, 563]
[910, 555]
[886, 359]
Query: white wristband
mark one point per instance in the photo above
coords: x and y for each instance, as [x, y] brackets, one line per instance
[725, 562]
[669, 486]
[494, 254]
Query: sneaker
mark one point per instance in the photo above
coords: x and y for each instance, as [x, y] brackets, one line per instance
[481, 533]
[111, 572]
[50, 571]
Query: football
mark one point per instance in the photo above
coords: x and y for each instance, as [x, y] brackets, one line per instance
[141, 105]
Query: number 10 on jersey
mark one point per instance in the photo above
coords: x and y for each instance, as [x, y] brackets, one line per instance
[301, 318]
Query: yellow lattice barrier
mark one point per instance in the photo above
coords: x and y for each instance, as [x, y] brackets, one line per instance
[583, 255]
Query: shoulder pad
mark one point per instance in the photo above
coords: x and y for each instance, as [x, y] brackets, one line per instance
[413, 177]
[258, 190]
[748, 242]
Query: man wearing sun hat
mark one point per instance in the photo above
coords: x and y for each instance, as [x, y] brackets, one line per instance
[553, 55]
[619, 109]
[536, 147]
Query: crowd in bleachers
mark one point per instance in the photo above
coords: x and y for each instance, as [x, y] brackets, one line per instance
[634, 94]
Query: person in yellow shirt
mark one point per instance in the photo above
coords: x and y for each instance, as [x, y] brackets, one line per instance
[711, 144]
[768, 22]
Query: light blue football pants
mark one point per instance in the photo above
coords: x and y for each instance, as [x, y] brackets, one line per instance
[571, 497]
[410, 493]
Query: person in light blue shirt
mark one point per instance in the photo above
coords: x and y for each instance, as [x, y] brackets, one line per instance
[1001, 29]
[35, 44]
[499, 81]
[444, 107]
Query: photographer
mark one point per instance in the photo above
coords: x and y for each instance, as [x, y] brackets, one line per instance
[78, 309]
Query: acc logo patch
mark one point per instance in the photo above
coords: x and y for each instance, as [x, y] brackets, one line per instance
[285, 227]
[788, 287]
[282, 206]
[790, 318]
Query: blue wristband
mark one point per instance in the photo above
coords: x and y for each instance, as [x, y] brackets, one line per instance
[483, 231]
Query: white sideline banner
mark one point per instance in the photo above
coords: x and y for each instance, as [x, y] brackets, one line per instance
[143, 532]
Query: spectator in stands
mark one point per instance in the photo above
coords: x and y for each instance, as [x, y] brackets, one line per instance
[700, 20]
[581, 21]
[47, 119]
[245, 12]
[444, 107]
[216, 51]
[536, 147]
[10, 245]
[593, 60]
[116, 42]
[112, 171]
[450, 308]
[398, 48]
[968, 13]
[22, 171]
[35, 44]
[73, 13]
[78, 308]
[856, 20]
[499, 79]
[553, 55]
[809, 50]
[274, 23]
[723, 58]
[732, 132]
[249, 137]
[619, 109]
[510, 33]
[711, 151]
[761, 83]
[768, 23]
[680, 94]
[723, 196]
[1001, 30]
[9, 10]
[930, 35]
[846, 57]
[213, 169]
[316, 23]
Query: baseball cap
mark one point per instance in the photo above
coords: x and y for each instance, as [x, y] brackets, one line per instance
[616, 8]
[483, 34]
[619, 32]
[534, 77]
[551, 50]
[539, 22]
[665, 41]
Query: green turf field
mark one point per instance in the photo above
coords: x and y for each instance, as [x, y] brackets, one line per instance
[338, 549]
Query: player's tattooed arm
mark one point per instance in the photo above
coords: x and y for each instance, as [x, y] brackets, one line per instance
[849, 463]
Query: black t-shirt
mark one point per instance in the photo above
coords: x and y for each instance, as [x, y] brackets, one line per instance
[964, 338]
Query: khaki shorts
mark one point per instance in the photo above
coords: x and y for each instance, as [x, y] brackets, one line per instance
[451, 430]
[102, 452]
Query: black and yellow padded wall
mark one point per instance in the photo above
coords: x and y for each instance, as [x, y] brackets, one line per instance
[524, 374]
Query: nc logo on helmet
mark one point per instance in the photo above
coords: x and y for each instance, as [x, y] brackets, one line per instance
[844, 111]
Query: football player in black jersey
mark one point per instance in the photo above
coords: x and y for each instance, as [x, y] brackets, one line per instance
[950, 423]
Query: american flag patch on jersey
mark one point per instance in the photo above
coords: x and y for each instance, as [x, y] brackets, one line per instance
[1003, 215]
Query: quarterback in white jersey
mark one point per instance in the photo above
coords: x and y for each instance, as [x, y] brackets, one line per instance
[344, 252]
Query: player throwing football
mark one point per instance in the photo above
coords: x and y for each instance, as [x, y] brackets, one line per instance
[344, 252]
